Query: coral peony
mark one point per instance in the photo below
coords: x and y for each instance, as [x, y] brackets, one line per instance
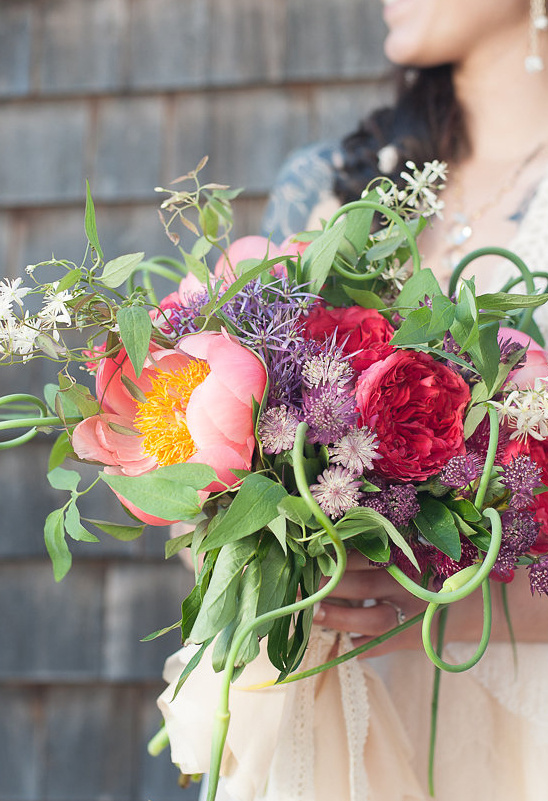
[195, 405]
[416, 406]
[365, 333]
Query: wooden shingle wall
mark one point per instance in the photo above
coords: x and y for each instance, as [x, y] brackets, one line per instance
[130, 94]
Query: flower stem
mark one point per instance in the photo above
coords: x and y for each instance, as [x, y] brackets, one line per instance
[435, 701]
[527, 315]
[222, 715]
[387, 212]
[33, 423]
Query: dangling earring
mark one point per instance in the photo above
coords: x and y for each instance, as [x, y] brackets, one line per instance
[538, 22]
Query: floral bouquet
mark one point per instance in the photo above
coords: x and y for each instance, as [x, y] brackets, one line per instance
[295, 403]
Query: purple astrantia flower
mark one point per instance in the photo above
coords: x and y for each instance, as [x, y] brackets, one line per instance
[505, 564]
[328, 367]
[397, 502]
[478, 442]
[519, 530]
[356, 450]
[521, 476]
[329, 412]
[538, 576]
[461, 470]
[277, 428]
[337, 491]
[444, 566]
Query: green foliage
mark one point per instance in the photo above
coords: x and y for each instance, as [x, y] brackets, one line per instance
[254, 506]
[117, 271]
[135, 331]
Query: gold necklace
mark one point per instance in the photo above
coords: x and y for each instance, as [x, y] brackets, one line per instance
[461, 226]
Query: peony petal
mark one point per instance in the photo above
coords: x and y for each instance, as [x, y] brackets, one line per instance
[214, 415]
[240, 370]
[247, 247]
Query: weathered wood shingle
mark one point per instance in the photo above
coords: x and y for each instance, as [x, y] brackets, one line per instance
[131, 94]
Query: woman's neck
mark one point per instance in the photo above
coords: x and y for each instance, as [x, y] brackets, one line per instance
[505, 107]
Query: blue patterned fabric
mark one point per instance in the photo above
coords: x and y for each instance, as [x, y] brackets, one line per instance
[303, 181]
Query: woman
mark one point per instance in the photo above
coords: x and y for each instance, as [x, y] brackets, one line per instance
[478, 100]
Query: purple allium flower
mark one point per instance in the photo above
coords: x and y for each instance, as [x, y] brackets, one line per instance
[329, 412]
[277, 428]
[521, 476]
[337, 491]
[284, 372]
[445, 566]
[451, 346]
[356, 450]
[182, 317]
[538, 576]
[461, 470]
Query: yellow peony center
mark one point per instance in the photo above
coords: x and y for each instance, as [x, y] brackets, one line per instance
[161, 419]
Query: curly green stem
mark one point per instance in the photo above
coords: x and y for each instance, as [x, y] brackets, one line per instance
[387, 212]
[435, 700]
[222, 717]
[480, 650]
[34, 423]
[526, 274]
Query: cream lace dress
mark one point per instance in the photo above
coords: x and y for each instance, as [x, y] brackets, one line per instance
[350, 736]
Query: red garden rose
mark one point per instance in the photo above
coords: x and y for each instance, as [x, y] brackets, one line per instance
[538, 451]
[416, 406]
[364, 332]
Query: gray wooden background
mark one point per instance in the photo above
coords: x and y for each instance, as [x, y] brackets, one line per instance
[130, 94]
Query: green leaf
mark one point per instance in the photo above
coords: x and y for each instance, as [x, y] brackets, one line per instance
[416, 288]
[464, 509]
[161, 632]
[278, 527]
[358, 227]
[90, 224]
[219, 604]
[364, 298]
[196, 266]
[295, 509]
[74, 527]
[436, 524]
[61, 479]
[135, 330]
[53, 397]
[372, 547]
[508, 301]
[255, 506]
[275, 574]
[319, 256]
[71, 278]
[79, 396]
[250, 586]
[116, 530]
[384, 248]
[190, 665]
[414, 329]
[373, 521]
[62, 447]
[168, 492]
[176, 544]
[54, 534]
[118, 270]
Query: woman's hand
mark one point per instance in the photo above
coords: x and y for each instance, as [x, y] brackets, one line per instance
[368, 602]
[344, 610]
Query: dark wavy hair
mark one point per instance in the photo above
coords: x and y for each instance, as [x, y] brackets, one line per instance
[425, 123]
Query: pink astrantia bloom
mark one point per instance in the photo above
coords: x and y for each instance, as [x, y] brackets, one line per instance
[192, 403]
